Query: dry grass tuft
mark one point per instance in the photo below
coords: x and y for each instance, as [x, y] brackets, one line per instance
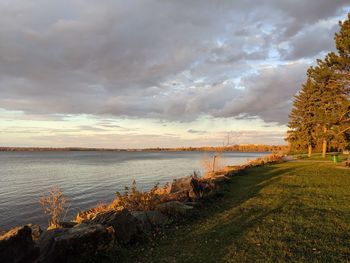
[271, 158]
[135, 200]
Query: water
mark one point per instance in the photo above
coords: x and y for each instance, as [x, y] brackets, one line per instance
[87, 178]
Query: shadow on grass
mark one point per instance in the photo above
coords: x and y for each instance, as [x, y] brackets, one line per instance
[207, 236]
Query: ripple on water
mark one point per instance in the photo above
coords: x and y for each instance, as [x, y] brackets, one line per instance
[87, 178]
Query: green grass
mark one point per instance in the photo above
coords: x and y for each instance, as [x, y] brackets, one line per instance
[318, 157]
[296, 211]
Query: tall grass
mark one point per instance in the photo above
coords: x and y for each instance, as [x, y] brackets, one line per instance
[134, 199]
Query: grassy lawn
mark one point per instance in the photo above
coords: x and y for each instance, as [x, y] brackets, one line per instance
[318, 157]
[296, 211]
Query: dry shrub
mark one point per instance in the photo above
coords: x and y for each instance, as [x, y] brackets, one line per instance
[55, 204]
[100, 207]
[135, 200]
[91, 213]
[274, 157]
[271, 158]
[212, 164]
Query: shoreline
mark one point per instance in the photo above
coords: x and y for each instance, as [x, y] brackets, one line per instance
[129, 217]
[115, 177]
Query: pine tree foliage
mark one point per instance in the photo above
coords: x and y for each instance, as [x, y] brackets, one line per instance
[321, 111]
[302, 118]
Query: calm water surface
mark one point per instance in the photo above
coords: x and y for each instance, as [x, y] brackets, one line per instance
[87, 178]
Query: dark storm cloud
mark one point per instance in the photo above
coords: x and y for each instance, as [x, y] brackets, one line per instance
[158, 59]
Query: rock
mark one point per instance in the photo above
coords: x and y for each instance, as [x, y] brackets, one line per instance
[219, 173]
[163, 190]
[193, 204]
[17, 245]
[210, 188]
[66, 224]
[232, 173]
[186, 189]
[73, 244]
[174, 208]
[150, 219]
[220, 179]
[182, 196]
[181, 185]
[127, 228]
[36, 231]
[83, 216]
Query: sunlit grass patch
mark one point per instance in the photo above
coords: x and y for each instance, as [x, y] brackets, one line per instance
[296, 211]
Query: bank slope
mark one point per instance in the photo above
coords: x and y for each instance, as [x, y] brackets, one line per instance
[297, 211]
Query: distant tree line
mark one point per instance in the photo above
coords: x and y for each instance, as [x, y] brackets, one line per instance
[233, 148]
[320, 117]
[229, 148]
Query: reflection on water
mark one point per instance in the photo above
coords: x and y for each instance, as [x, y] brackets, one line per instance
[87, 178]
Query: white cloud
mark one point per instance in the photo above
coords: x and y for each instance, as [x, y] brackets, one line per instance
[168, 60]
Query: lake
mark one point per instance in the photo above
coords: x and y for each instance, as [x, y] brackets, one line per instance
[87, 178]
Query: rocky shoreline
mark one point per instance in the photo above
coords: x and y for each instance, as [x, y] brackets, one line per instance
[101, 230]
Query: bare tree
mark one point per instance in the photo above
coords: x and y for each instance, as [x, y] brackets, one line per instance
[55, 205]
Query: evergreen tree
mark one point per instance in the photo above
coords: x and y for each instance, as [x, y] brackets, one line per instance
[341, 67]
[302, 119]
[329, 103]
[340, 64]
[322, 109]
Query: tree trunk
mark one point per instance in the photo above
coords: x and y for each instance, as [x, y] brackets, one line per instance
[324, 145]
[324, 148]
[214, 158]
[310, 151]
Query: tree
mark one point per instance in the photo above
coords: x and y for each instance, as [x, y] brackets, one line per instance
[322, 109]
[341, 66]
[338, 88]
[302, 119]
[329, 102]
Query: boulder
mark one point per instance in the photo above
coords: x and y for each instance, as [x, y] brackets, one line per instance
[209, 188]
[163, 190]
[232, 173]
[150, 219]
[181, 185]
[72, 244]
[182, 196]
[220, 179]
[174, 208]
[84, 216]
[17, 245]
[186, 189]
[127, 228]
[36, 231]
[193, 204]
[64, 224]
[211, 175]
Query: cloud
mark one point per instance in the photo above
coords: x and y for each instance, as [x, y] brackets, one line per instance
[170, 60]
[106, 140]
[311, 41]
[196, 131]
[267, 94]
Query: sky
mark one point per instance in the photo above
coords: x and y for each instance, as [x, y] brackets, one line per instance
[156, 73]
